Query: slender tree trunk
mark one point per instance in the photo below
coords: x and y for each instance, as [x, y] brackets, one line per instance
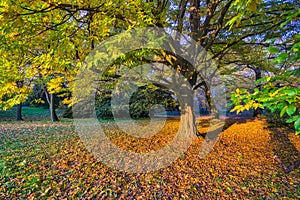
[208, 99]
[20, 84]
[211, 107]
[257, 112]
[50, 99]
[53, 115]
[19, 112]
[258, 75]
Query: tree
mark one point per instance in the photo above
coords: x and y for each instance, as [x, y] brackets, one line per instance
[212, 24]
[15, 85]
[50, 37]
[281, 91]
[55, 35]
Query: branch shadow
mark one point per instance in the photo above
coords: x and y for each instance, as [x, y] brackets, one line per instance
[205, 123]
[284, 150]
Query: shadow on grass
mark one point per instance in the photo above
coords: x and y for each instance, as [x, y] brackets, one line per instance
[285, 152]
[203, 125]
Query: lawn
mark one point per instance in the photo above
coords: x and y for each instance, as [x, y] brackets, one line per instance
[41, 160]
[28, 113]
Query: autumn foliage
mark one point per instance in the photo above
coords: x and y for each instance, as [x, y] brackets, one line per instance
[40, 160]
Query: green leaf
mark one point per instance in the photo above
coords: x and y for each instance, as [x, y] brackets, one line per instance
[272, 108]
[292, 100]
[293, 15]
[290, 92]
[283, 111]
[281, 105]
[293, 119]
[261, 80]
[291, 109]
[282, 57]
[235, 20]
[297, 125]
[296, 72]
[273, 50]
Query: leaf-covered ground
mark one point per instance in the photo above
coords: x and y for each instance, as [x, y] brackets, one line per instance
[43, 160]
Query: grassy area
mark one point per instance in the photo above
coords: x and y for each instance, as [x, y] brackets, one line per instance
[28, 113]
[48, 160]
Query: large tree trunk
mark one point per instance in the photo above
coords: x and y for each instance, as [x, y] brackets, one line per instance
[50, 99]
[19, 112]
[187, 117]
[188, 122]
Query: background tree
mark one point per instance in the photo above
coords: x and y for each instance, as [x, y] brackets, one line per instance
[15, 84]
[52, 37]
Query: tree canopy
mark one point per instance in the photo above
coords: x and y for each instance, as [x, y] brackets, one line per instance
[47, 41]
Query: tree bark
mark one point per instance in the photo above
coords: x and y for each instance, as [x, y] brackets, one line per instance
[187, 117]
[211, 107]
[53, 115]
[50, 99]
[19, 112]
[188, 122]
[257, 112]
[20, 84]
[258, 75]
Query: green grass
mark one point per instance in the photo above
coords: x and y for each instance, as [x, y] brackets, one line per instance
[28, 113]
